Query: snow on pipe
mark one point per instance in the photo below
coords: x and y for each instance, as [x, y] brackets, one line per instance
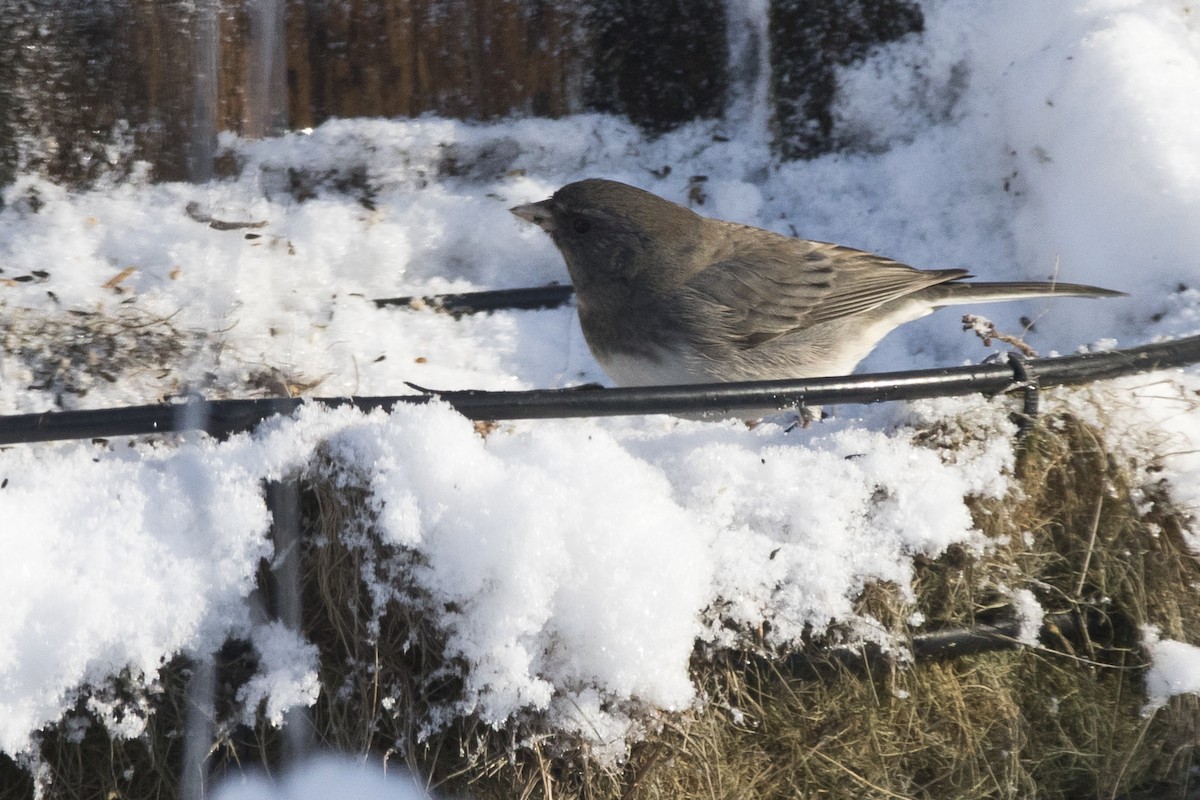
[226, 417]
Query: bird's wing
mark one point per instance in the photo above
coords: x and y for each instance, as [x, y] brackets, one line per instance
[772, 287]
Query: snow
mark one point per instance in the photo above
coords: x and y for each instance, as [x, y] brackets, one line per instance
[287, 674]
[594, 554]
[582, 559]
[1030, 614]
[115, 562]
[322, 778]
[1174, 670]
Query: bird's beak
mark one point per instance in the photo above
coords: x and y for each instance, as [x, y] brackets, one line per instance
[540, 214]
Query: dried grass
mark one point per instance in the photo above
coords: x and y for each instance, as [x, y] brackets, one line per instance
[68, 353]
[1087, 529]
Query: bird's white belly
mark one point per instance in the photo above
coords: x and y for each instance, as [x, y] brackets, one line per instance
[822, 351]
[631, 370]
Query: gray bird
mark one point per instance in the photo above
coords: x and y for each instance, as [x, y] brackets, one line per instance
[666, 296]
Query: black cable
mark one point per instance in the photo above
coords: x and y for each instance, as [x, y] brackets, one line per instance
[482, 302]
[1063, 631]
[226, 417]
[729, 398]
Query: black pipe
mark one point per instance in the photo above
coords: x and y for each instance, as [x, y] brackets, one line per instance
[481, 302]
[225, 417]
[1059, 632]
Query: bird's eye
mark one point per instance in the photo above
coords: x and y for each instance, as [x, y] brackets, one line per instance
[581, 225]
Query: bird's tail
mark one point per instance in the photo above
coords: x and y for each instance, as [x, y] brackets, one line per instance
[953, 293]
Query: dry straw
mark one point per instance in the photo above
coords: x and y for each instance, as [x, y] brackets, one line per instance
[1087, 528]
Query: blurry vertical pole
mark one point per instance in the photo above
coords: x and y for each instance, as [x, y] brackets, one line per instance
[201, 700]
[199, 697]
[202, 143]
[747, 26]
[265, 114]
[265, 111]
[283, 501]
[201, 146]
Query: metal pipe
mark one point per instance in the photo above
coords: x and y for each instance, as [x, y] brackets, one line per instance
[226, 417]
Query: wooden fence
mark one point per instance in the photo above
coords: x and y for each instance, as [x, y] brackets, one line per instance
[88, 84]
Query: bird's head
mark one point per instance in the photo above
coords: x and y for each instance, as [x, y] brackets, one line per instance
[617, 240]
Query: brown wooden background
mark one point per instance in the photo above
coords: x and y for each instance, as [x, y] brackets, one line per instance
[78, 77]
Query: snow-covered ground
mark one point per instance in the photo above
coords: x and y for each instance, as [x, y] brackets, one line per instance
[583, 558]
